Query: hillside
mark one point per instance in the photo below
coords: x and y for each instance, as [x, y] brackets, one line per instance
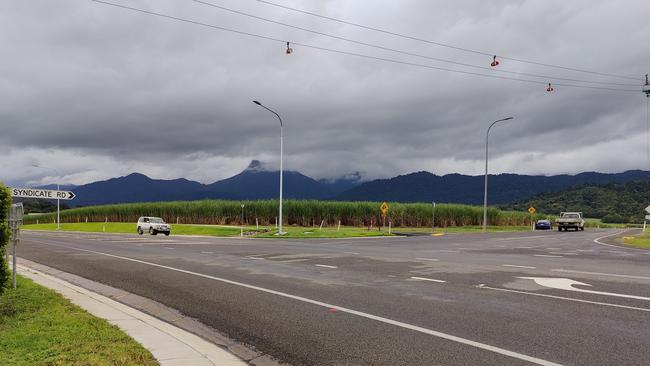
[256, 182]
[457, 188]
[614, 202]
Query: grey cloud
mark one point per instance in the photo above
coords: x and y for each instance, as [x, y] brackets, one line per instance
[93, 83]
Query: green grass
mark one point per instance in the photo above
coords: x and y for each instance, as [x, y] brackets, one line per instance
[129, 228]
[40, 327]
[291, 231]
[638, 241]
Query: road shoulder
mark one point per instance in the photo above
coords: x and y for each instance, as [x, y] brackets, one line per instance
[169, 344]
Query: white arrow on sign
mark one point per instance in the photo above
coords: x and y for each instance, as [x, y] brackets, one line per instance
[647, 209]
[567, 284]
[41, 193]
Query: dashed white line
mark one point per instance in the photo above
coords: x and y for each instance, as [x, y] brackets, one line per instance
[258, 258]
[547, 256]
[427, 259]
[207, 252]
[428, 279]
[453, 338]
[516, 266]
[524, 247]
[353, 253]
[325, 266]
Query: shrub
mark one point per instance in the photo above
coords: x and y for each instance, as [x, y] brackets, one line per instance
[5, 203]
[615, 219]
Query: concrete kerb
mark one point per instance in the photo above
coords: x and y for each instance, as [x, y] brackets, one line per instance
[171, 337]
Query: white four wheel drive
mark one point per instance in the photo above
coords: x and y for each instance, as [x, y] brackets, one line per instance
[153, 225]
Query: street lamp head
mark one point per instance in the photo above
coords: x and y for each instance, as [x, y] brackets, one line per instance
[256, 102]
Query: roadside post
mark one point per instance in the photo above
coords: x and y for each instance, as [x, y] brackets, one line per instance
[647, 217]
[433, 217]
[532, 210]
[384, 210]
[242, 221]
[16, 213]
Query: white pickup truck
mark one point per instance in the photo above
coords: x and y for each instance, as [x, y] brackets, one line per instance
[571, 220]
[153, 225]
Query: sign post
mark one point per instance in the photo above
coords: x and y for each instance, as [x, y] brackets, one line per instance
[15, 220]
[47, 194]
[532, 210]
[433, 217]
[384, 210]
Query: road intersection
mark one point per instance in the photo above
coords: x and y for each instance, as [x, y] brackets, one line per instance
[504, 299]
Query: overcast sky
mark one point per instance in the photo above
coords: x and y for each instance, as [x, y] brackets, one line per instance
[95, 92]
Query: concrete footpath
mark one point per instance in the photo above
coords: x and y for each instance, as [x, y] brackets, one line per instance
[170, 345]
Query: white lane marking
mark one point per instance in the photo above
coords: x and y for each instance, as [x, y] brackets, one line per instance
[522, 237]
[168, 248]
[553, 248]
[325, 266]
[563, 298]
[601, 274]
[567, 284]
[547, 256]
[428, 279]
[354, 253]
[524, 247]
[444, 251]
[207, 252]
[427, 259]
[597, 241]
[584, 250]
[251, 257]
[449, 337]
[516, 266]
[561, 253]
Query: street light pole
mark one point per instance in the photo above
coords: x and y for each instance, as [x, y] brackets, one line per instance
[485, 187]
[280, 232]
[58, 201]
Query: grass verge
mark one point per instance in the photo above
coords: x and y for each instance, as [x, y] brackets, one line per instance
[291, 231]
[638, 241]
[40, 327]
[129, 228]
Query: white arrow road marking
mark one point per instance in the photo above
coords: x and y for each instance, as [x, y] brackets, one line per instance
[601, 274]
[567, 284]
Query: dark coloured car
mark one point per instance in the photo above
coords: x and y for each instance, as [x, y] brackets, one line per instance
[543, 225]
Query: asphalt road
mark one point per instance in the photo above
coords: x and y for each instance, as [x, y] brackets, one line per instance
[449, 300]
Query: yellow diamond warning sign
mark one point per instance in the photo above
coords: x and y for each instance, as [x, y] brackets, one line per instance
[384, 208]
[532, 210]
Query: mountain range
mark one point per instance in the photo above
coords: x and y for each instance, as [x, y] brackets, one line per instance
[255, 182]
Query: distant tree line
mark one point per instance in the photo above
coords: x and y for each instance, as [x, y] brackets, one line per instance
[613, 203]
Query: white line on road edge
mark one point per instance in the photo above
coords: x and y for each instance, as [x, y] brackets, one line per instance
[207, 252]
[597, 241]
[325, 266]
[563, 298]
[601, 274]
[249, 257]
[427, 259]
[547, 256]
[354, 253]
[428, 279]
[416, 328]
[516, 266]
